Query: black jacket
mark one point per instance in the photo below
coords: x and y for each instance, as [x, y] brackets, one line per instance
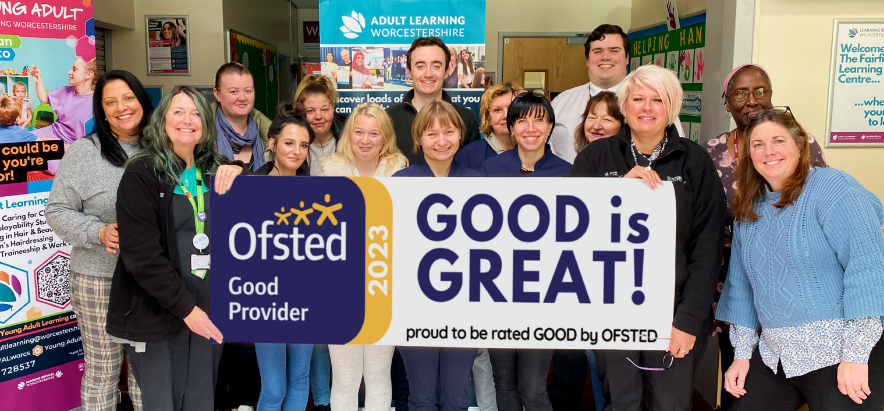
[148, 298]
[402, 115]
[700, 207]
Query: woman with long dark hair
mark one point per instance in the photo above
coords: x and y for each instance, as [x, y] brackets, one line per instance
[82, 212]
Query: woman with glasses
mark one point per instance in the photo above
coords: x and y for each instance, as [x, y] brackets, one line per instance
[492, 111]
[648, 148]
[803, 292]
[746, 89]
[530, 120]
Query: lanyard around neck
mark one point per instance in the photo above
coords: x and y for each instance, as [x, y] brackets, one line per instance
[198, 206]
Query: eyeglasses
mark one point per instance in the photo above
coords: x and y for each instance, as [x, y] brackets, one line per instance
[668, 359]
[761, 93]
[756, 114]
[535, 91]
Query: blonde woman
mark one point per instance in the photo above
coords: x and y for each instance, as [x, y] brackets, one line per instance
[367, 148]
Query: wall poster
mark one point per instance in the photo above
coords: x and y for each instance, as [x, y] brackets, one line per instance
[168, 51]
[856, 97]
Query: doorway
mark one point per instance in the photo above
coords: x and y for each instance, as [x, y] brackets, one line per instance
[542, 55]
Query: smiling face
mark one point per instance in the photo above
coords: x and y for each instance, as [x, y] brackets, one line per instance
[320, 113]
[607, 61]
[122, 109]
[345, 55]
[427, 68]
[329, 57]
[235, 95]
[183, 123]
[644, 111]
[290, 148]
[366, 140]
[497, 114]
[78, 74]
[465, 54]
[748, 80]
[167, 31]
[360, 61]
[774, 153]
[531, 132]
[600, 124]
[440, 142]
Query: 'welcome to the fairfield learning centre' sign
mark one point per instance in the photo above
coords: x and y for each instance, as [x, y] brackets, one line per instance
[519, 263]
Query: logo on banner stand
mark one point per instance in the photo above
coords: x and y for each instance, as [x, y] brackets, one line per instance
[353, 24]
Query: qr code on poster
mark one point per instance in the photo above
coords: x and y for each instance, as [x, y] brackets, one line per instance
[52, 280]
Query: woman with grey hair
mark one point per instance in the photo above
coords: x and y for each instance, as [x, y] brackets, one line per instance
[649, 148]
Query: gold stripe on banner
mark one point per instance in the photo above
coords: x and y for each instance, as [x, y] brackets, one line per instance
[378, 261]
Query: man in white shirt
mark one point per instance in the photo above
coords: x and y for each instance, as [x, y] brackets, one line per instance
[607, 58]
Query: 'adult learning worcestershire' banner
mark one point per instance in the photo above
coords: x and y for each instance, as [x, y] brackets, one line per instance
[382, 32]
[453, 262]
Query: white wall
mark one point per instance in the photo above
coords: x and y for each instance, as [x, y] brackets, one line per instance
[205, 37]
[793, 42]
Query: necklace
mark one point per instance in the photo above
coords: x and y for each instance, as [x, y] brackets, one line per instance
[657, 151]
[736, 146]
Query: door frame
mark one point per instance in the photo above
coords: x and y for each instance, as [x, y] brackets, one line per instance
[502, 34]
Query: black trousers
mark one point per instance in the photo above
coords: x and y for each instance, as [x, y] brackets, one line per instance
[568, 379]
[520, 378]
[239, 380]
[727, 359]
[769, 391]
[178, 374]
[626, 386]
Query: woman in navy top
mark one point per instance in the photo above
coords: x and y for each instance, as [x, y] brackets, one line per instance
[437, 132]
[492, 110]
[530, 119]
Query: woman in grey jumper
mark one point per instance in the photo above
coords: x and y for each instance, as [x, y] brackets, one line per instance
[82, 211]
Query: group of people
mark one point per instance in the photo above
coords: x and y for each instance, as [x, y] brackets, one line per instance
[798, 246]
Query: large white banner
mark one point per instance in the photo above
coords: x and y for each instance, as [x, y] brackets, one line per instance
[454, 262]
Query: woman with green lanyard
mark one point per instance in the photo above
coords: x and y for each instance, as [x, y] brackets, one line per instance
[160, 290]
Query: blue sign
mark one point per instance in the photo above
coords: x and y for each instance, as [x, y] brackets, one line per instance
[358, 22]
[7, 54]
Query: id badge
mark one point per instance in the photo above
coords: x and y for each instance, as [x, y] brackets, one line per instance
[200, 261]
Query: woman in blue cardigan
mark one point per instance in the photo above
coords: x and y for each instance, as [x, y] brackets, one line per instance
[807, 271]
[530, 120]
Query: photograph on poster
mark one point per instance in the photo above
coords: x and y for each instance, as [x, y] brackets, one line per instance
[168, 52]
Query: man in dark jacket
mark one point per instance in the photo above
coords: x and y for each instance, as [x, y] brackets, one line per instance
[428, 60]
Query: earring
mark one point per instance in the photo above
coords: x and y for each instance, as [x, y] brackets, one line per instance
[728, 114]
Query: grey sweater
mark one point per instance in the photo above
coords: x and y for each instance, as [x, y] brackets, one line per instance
[83, 199]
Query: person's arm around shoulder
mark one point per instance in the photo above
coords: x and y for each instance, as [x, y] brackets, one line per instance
[144, 256]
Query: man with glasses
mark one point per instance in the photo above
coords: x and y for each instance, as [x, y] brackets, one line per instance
[607, 59]
[427, 60]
